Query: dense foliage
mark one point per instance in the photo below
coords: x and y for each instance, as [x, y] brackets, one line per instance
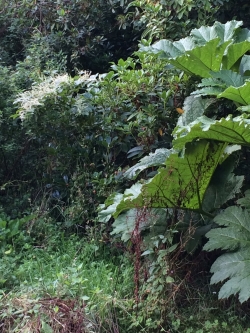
[121, 164]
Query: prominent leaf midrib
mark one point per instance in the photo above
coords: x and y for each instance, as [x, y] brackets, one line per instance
[230, 140]
[234, 94]
[231, 237]
[231, 131]
[230, 136]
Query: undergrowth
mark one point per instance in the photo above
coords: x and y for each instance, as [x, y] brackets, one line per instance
[62, 285]
[70, 284]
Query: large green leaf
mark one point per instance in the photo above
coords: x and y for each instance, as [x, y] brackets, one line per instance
[223, 186]
[219, 82]
[153, 159]
[224, 31]
[125, 223]
[235, 52]
[106, 210]
[231, 130]
[238, 94]
[234, 235]
[231, 264]
[202, 59]
[229, 78]
[194, 107]
[245, 65]
[169, 49]
[209, 91]
[206, 49]
[182, 183]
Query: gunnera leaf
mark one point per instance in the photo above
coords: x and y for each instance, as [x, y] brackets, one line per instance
[223, 186]
[158, 158]
[218, 83]
[206, 49]
[225, 32]
[234, 131]
[106, 210]
[194, 107]
[182, 183]
[233, 235]
[237, 94]
[125, 223]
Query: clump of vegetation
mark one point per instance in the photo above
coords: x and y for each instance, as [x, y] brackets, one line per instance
[124, 191]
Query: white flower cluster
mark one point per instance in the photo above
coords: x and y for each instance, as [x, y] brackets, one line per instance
[29, 100]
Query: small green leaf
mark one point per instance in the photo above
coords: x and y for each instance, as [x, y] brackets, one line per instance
[169, 279]
[85, 298]
[46, 328]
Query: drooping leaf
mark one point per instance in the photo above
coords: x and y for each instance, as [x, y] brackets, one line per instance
[125, 223]
[153, 159]
[219, 82]
[182, 183]
[202, 60]
[233, 235]
[106, 210]
[235, 52]
[223, 187]
[245, 65]
[231, 130]
[237, 94]
[194, 107]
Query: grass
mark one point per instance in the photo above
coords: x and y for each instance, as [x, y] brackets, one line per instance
[98, 280]
[74, 285]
